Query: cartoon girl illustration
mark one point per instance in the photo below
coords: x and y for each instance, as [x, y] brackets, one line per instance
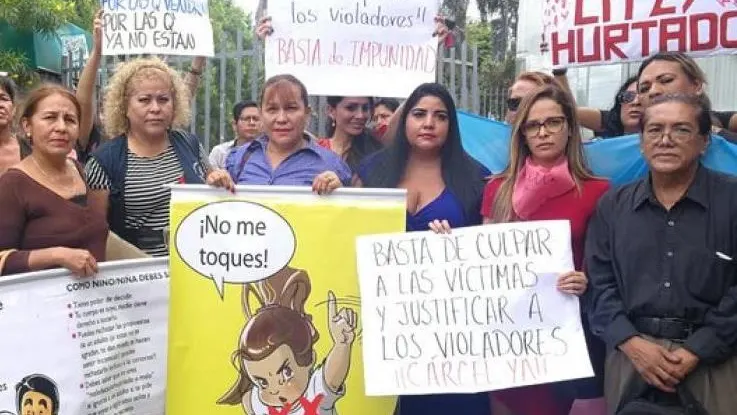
[276, 360]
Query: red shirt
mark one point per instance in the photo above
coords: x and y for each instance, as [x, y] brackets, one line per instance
[325, 142]
[577, 208]
[573, 206]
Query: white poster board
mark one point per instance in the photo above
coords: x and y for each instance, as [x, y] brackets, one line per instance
[162, 27]
[583, 33]
[353, 48]
[476, 310]
[89, 346]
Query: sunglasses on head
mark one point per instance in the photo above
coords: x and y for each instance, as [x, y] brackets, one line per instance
[627, 97]
[513, 103]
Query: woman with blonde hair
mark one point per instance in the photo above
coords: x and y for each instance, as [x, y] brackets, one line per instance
[146, 105]
[547, 179]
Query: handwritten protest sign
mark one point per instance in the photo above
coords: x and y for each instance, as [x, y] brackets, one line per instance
[595, 32]
[164, 27]
[353, 47]
[472, 311]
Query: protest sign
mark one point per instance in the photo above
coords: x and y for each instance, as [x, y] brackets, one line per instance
[597, 32]
[475, 310]
[265, 275]
[163, 27]
[85, 346]
[353, 47]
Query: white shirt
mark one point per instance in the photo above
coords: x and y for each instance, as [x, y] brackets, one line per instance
[219, 153]
[315, 388]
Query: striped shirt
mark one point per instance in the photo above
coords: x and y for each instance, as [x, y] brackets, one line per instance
[146, 198]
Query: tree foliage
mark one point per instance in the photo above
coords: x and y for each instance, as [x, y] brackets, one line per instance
[227, 20]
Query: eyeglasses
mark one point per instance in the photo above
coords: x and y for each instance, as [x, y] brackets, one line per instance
[677, 134]
[513, 103]
[627, 97]
[552, 125]
[252, 118]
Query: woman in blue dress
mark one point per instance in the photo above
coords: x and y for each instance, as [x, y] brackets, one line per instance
[444, 186]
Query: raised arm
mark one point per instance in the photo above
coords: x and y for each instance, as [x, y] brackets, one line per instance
[86, 85]
[192, 78]
[342, 325]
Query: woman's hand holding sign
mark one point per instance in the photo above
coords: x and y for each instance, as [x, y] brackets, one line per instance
[326, 182]
[574, 282]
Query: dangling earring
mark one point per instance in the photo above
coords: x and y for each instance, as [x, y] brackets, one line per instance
[332, 123]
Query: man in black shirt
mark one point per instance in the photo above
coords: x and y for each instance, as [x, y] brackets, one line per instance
[660, 256]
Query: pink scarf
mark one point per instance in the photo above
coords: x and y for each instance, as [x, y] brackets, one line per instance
[536, 184]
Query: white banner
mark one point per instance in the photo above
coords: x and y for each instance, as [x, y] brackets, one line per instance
[353, 48]
[85, 346]
[476, 310]
[583, 33]
[163, 27]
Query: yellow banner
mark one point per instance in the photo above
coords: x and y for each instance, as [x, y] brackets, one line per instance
[265, 308]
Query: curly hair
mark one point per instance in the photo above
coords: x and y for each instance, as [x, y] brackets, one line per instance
[118, 93]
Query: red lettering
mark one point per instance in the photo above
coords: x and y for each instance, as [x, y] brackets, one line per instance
[629, 9]
[282, 50]
[645, 41]
[659, 10]
[679, 34]
[687, 5]
[611, 39]
[606, 10]
[299, 51]
[311, 407]
[595, 56]
[580, 19]
[559, 47]
[726, 42]
[712, 36]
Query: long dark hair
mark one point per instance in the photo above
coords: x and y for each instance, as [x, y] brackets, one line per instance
[461, 173]
[362, 145]
[612, 124]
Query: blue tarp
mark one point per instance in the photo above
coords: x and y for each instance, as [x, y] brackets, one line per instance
[618, 159]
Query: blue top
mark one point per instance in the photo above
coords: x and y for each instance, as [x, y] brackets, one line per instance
[299, 169]
[445, 206]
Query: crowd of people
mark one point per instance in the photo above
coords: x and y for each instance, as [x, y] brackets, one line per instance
[654, 265]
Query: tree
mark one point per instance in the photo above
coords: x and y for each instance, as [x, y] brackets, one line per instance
[38, 16]
[456, 10]
[227, 20]
[506, 12]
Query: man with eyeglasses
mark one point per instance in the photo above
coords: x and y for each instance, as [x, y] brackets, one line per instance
[660, 256]
[246, 127]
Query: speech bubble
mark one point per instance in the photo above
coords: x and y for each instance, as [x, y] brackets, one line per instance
[235, 242]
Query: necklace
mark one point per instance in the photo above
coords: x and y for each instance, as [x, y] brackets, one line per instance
[70, 189]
